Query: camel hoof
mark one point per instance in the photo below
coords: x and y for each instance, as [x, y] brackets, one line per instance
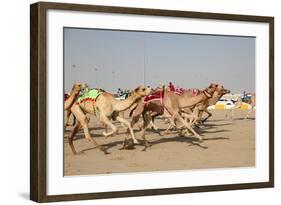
[136, 142]
[200, 139]
[107, 135]
[104, 151]
[128, 146]
[146, 146]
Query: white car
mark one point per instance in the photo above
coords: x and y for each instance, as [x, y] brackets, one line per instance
[228, 104]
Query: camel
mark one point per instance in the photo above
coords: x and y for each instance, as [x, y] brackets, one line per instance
[202, 107]
[238, 103]
[173, 104]
[252, 104]
[194, 114]
[84, 88]
[69, 99]
[105, 107]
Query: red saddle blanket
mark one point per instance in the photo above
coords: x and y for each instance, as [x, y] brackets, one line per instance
[158, 95]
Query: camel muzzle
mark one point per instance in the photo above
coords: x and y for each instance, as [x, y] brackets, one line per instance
[226, 91]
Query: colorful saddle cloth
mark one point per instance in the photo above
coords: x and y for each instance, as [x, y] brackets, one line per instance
[158, 95]
[91, 95]
[194, 91]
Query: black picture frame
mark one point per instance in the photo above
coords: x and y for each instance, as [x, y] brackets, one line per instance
[38, 101]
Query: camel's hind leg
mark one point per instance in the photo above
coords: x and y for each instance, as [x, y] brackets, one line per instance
[147, 118]
[70, 138]
[83, 120]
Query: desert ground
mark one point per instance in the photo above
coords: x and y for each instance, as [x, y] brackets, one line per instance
[227, 143]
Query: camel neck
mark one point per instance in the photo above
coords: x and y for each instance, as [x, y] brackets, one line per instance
[122, 105]
[189, 102]
[70, 100]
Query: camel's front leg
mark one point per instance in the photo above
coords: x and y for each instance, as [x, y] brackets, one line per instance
[126, 123]
[135, 119]
[108, 123]
[229, 113]
[172, 124]
[177, 116]
[209, 115]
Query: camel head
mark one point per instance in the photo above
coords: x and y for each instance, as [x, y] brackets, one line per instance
[221, 90]
[142, 91]
[209, 91]
[84, 87]
[76, 88]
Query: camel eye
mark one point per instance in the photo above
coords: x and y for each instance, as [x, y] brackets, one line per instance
[143, 89]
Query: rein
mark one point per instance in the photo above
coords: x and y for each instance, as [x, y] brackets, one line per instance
[207, 93]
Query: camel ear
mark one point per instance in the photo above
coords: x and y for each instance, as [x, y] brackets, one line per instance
[137, 89]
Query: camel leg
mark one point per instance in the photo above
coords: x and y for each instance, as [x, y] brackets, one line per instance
[147, 118]
[172, 124]
[189, 118]
[83, 120]
[230, 113]
[135, 119]
[251, 110]
[152, 124]
[209, 115]
[177, 116]
[68, 112]
[70, 138]
[104, 119]
[127, 124]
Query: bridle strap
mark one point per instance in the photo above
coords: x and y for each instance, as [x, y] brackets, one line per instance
[206, 92]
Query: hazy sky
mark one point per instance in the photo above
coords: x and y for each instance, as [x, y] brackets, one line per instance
[125, 59]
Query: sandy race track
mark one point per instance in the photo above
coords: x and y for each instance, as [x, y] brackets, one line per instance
[226, 144]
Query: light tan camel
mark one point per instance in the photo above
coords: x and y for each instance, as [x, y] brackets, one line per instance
[173, 104]
[194, 114]
[252, 104]
[202, 107]
[238, 104]
[106, 107]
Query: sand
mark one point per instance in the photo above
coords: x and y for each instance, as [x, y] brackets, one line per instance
[227, 143]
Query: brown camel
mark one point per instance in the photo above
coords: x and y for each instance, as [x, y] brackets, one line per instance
[106, 107]
[69, 99]
[173, 104]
